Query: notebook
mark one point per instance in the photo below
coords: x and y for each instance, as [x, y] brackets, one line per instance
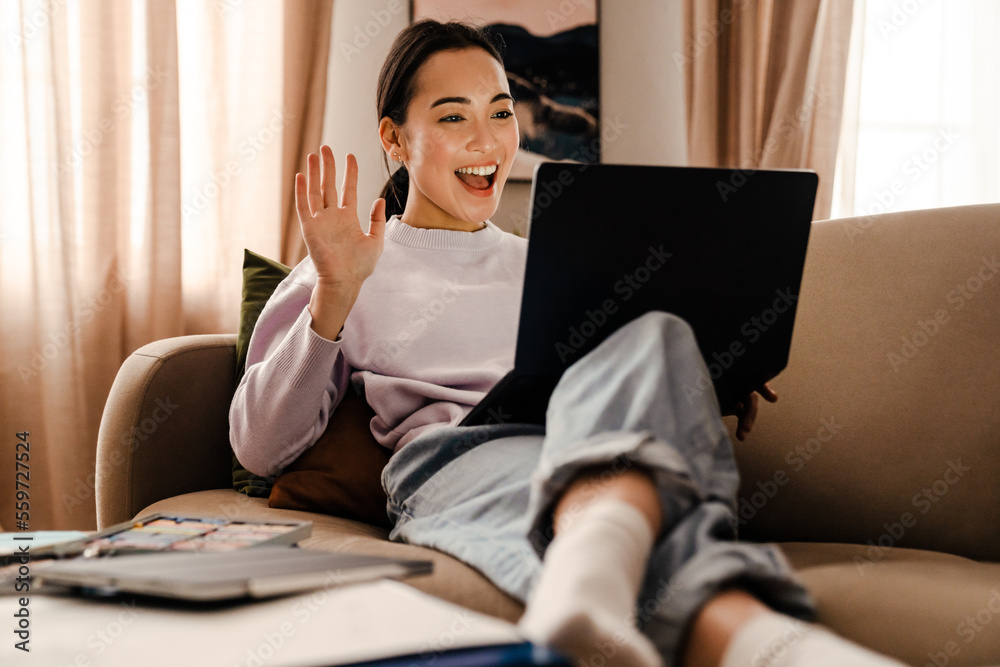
[723, 249]
[260, 572]
[159, 532]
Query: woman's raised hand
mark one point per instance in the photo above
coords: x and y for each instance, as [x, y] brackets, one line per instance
[343, 254]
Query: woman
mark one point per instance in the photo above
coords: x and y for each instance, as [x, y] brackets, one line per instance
[614, 523]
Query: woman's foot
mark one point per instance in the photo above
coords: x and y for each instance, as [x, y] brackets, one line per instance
[584, 601]
[775, 640]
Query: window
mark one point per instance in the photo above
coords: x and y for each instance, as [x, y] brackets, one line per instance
[922, 119]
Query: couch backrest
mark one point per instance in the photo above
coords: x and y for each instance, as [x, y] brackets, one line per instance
[887, 428]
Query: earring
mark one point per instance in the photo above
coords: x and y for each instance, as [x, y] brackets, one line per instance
[395, 156]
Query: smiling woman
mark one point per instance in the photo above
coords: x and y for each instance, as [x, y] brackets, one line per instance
[447, 117]
[629, 484]
[478, 132]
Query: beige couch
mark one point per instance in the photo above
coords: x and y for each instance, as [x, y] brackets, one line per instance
[878, 471]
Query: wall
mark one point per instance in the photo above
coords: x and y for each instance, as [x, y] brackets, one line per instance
[642, 91]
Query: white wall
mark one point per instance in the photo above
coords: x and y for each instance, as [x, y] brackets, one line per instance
[640, 84]
[642, 91]
[361, 35]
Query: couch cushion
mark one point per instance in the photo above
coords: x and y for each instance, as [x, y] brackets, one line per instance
[921, 607]
[261, 277]
[887, 428]
[341, 474]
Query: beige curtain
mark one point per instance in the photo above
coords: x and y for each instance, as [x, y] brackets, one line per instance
[307, 47]
[143, 145]
[765, 84]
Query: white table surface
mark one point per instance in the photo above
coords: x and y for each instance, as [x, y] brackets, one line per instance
[325, 626]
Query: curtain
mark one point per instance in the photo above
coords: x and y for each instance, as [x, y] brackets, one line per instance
[765, 84]
[143, 145]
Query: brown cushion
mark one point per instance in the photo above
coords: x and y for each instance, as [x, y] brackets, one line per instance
[341, 474]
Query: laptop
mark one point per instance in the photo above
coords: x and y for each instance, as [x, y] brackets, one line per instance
[723, 249]
[258, 572]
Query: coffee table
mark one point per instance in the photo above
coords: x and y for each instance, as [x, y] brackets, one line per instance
[322, 627]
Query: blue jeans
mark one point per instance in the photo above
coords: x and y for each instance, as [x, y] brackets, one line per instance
[485, 494]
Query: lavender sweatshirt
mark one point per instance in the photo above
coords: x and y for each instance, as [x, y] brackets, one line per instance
[432, 330]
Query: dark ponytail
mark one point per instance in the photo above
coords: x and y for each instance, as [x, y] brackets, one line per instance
[397, 81]
[394, 192]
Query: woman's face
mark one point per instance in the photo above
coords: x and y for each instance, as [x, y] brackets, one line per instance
[460, 120]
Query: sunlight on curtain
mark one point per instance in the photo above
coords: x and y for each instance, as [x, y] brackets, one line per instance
[13, 150]
[64, 194]
[928, 113]
[140, 131]
[232, 122]
[134, 169]
[765, 85]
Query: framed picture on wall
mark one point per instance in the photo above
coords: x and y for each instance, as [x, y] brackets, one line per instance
[553, 66]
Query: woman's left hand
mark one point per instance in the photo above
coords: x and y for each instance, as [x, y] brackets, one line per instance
[746, 410]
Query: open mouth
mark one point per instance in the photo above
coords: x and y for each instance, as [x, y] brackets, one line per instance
[478, 178]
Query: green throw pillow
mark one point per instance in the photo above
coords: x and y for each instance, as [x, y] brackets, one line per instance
[260, 277]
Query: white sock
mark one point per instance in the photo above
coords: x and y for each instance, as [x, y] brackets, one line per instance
[584, 602]
[776, 640]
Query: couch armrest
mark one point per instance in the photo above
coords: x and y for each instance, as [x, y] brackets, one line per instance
[165, 427]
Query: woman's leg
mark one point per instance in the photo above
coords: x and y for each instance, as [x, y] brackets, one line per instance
[723, 615]
[584, 600]
[634, 450]
[733, 628]
[464, 491]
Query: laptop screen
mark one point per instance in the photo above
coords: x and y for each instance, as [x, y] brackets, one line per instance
[723, 249]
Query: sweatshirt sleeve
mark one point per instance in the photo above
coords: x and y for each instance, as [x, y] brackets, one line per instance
[294, 380]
